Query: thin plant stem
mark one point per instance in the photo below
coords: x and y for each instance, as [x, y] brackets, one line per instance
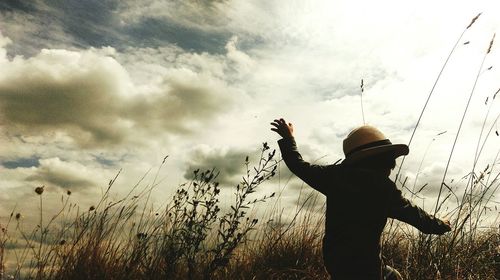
[422, 161]
[433, 87]
[486, 137]
[40, 268]
[458, 134]
[476, 156]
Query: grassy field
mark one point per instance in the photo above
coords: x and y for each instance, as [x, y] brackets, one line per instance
[192, 238]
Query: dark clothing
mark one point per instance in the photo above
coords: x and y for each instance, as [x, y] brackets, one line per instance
[358, 203]
[390, 273]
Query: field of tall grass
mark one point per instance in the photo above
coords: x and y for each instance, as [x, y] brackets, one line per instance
[193, 236]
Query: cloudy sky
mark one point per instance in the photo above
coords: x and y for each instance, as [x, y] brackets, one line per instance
[91, 87]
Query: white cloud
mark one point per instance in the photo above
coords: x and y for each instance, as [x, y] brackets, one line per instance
[90, 96]
[78, 92]
[302, 60]
[67, 175]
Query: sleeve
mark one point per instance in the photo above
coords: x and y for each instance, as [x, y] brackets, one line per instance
[402, 209]
[313, 175]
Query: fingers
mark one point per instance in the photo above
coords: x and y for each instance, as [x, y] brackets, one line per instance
[279, 123]
[275, 124]
[449, 225]
[276, 128]
[446, 226]
[281, 127]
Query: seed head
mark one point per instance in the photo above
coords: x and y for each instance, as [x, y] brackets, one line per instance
[265, 146]
[491, 43]
[473, 20]
[68, 192]
[495, 95]
[92, 208]
[18, 216]
[62, 242]
[39, 190]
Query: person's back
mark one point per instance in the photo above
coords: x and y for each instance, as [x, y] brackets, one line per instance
[357, 207]
[360, 198]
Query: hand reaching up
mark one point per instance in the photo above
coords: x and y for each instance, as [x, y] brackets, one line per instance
[282, 128]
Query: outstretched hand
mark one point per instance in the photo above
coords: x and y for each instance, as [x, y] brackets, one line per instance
[282, 128]
[445, 226]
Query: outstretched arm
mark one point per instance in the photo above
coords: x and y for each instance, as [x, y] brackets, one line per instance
[403, 210]
[312, 174]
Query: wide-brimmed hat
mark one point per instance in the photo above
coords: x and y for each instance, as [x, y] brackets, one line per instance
[366, 141]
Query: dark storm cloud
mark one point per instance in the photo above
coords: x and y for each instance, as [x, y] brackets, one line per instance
[30, 31]
[17, 5]
[230, 163]
[199, 26]
[34, 25]
[191, 101]
[69, 24]
[156, 32]
[90, 22]
[105, 161]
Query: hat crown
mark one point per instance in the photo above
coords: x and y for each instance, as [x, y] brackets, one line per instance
[361, 136]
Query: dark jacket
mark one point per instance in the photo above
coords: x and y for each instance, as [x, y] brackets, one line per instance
[358, 203]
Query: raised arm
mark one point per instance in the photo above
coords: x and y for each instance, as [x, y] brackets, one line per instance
[403, 210]
[312, 174]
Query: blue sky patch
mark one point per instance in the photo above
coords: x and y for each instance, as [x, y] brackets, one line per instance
[21, 162]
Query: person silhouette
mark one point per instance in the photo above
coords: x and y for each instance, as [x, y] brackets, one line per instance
[360, 197]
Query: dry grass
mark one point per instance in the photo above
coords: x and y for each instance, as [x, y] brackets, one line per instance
[192, 238]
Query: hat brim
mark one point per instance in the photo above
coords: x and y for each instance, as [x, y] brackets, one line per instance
[397, 149]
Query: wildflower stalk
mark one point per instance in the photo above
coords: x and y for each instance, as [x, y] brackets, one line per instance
[39, 191]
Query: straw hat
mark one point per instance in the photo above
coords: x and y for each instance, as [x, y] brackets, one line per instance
[366, 141]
